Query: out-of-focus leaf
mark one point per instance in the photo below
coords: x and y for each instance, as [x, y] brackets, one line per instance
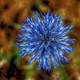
[29, 71]
[38, 2]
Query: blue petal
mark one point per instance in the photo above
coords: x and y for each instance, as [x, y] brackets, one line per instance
[54, 62]
[25, 36]
[25, 28]
[23, 52]
[44, 63]
[64, 59]
[66, 39]
[66, 30]
[65, 48]
[28, 50]
[37, 15]
[58, 23]
[33, 58]
[59, 56]
[21, 45]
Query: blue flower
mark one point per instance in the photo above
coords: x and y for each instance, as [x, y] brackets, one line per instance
[45, 38]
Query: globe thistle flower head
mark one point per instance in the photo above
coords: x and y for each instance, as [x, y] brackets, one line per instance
[45, 38]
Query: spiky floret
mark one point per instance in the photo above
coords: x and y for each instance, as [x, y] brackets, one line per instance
[45, 38]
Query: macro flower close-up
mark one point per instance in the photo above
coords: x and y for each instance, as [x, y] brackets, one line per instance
[44, 37]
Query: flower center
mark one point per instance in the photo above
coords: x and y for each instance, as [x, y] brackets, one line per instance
[45, 40]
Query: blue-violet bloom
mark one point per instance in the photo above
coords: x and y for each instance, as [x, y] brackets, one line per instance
[45, 38]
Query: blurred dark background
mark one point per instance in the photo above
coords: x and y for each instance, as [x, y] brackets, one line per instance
[12, 14]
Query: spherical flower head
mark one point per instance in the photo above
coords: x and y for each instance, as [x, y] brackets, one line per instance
[45, 38]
